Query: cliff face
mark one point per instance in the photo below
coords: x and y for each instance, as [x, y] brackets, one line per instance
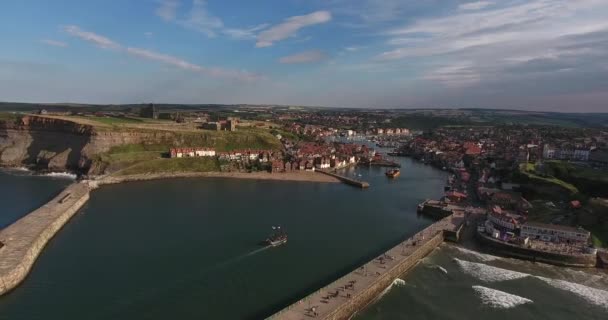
[44, 142]
[55, 144]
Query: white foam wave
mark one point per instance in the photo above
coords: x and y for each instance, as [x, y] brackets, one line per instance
[396, 282]
[61, 175]
[499, 299]
[478, 255]
[399, 282]
[592, 295]
[488, 273]
[442, 269]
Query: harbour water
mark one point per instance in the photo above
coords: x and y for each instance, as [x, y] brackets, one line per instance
[22, 192]
[187, 249]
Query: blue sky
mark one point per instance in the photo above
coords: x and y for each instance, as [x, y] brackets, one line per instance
[534, 54]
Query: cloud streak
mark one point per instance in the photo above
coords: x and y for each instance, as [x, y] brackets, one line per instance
[54, 43]
[96, 39]
[106, 43]
[474, 5]
[290, 27]
[167, 9]
[304, 57]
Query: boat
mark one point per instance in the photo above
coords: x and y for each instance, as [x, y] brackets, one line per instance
[393, 173]
[277, 238]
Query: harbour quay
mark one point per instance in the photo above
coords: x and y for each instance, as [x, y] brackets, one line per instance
[22, 241]
[350, 181]
[357, 289]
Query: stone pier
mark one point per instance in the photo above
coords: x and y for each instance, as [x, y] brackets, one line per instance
[354, 291]
[350, 181]
[24, 240]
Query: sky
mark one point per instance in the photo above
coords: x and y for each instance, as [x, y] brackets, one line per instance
[546, 55]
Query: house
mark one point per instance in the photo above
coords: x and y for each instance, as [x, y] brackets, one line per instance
[575, 204]
[455, 196]
[278, 166]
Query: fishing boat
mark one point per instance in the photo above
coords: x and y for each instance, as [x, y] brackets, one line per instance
[393, 173]
[277, 238]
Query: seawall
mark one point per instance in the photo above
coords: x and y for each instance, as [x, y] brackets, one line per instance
[357, 289]
[25, 239]
[567, 260]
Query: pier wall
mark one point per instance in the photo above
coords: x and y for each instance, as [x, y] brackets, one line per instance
[354, 291]
[25, 239]
[347, 180]
[367, 296]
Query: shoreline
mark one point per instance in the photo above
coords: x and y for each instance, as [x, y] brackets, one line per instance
[284, 176]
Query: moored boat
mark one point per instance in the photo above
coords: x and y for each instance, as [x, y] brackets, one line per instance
[393, 173]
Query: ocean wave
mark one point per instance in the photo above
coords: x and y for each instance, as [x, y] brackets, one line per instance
[396, 282]
[499, 299]
[488, 273]
[592, 295]
[61, 175]
[481, 256]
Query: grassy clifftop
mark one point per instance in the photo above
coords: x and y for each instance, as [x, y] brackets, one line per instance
[122, 156]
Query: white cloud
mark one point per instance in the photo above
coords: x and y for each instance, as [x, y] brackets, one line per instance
[478, 5]
[98, 40]
[525, 25]
[304, 57]
[148, 35]
[244, 34]
[167, 9]
[459, 74]
[106, 43]
[54, 43]
[201, 20]
[290, 27]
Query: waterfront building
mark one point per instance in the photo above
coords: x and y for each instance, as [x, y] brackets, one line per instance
[553, 232]
[504, 219]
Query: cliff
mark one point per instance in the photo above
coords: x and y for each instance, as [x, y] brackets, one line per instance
[48, 143]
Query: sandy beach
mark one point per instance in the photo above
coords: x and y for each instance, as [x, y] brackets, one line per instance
[287, 176]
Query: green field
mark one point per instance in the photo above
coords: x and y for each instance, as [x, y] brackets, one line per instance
[535, 178]
[203, 164]
[9, 116]
[113, 120]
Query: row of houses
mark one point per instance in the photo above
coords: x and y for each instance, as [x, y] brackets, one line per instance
[551, 152]
[191, 152]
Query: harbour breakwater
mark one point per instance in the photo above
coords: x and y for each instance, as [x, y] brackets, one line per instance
[22, 241]
[357, 289]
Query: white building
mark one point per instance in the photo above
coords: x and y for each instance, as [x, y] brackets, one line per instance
[553, 232]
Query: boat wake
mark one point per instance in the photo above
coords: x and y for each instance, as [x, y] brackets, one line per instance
[499, 299]
[592, 295]
[481, 256]
[488, 273]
